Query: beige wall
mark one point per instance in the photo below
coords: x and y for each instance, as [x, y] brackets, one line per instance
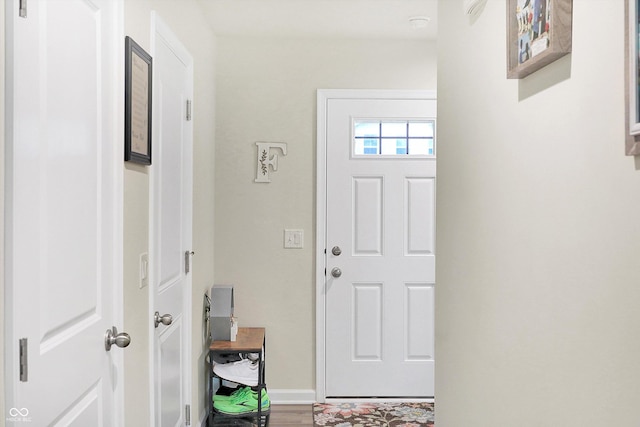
[267, 92]
[136, 241]
[185, 20]
[537, 301]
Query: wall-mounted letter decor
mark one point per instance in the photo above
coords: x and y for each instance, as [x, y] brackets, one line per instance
[265, 159]
[137, 105]
[538, 33]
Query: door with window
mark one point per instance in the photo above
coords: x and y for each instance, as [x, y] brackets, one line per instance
[380, 255]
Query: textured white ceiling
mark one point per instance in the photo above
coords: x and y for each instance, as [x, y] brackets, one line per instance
[321, 18]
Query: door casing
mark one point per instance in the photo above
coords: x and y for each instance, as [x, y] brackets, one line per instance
[323, 97]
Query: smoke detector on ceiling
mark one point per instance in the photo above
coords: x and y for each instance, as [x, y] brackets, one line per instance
[418, 22]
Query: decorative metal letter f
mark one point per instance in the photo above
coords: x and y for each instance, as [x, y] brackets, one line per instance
[265, 159]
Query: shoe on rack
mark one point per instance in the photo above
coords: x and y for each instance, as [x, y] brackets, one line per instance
[251, 356]
[244, 404]
[240, 391]
[226, 357]
[243, 372]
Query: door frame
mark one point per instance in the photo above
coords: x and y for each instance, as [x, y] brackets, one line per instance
[159, 27]
[323, 97]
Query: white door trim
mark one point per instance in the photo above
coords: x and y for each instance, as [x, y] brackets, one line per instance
[118, 303]
[323, 97]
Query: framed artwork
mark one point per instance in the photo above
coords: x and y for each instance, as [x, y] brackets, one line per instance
[632, 77]
[538, 33]
[632, 58]
[137, 108]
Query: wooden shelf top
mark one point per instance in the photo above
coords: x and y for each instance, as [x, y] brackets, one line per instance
[248, 339]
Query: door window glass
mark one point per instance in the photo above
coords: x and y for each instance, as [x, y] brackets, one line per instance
[375, 138]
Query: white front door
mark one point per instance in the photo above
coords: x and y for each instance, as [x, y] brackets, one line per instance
[380, 256]
[64, 213]
[171, 227]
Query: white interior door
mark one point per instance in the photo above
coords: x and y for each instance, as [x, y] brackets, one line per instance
[64, 219]
[171, 226]
[380, 260]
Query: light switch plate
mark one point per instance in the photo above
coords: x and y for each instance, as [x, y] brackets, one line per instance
[293, 239]
[144, 270]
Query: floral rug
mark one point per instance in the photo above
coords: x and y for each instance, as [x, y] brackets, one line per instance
[394, 414]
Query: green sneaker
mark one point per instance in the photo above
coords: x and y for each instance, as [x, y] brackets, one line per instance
[238, 393]
[242, 405]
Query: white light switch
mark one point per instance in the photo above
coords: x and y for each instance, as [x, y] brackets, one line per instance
[144, 270]
[293, 239]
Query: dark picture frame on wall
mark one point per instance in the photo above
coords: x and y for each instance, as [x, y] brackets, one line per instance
[538, 33]
[137, 110]
[632, 77]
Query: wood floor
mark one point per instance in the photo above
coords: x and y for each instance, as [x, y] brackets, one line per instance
[281, 416]
[291, 415]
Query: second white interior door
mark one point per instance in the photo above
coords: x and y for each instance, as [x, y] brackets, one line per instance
[171, 232]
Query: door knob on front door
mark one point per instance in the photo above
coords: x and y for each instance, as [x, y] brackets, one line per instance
[336, 272]
[165, 319]
[112, 336]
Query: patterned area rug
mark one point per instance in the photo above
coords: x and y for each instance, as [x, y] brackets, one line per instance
[374, 414]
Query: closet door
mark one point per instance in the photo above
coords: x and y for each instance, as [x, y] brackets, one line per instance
[171, 235]
[63, 224]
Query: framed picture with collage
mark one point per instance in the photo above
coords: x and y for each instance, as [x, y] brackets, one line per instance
[538, 33]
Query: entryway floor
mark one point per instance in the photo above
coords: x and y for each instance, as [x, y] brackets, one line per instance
[291, 415]
[281, 416]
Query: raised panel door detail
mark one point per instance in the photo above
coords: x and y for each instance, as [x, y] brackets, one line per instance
[170, 159]
[419, 321]
[70, 149]
[367, 221]
[86, 411]
[367, 317]
[171, 365]
[420, 216]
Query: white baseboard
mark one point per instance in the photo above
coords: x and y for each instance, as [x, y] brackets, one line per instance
[291, 396]
[203, 418]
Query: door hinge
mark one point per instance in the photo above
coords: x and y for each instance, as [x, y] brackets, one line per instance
[187, 415]
[24, 361]
[22, 10]
[187, 261]
[188, 110]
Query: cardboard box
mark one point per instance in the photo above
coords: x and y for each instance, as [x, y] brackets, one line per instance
[220, 316]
